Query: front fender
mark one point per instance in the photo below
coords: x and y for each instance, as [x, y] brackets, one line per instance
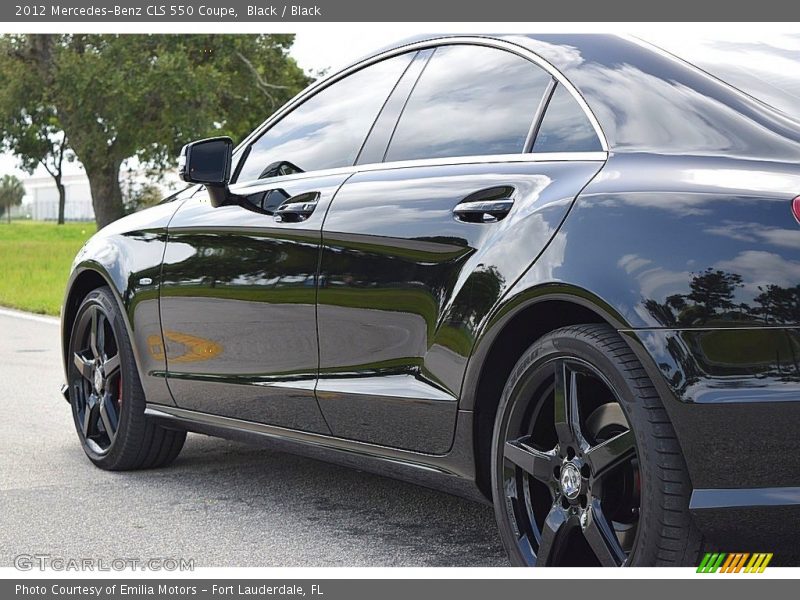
[126, 256]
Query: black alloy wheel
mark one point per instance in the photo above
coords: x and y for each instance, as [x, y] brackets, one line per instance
[571, 466]
[579, 476]
[97, 391]
[108, 403]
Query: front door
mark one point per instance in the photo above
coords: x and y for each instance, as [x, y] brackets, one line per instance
[237, 304]
[239, 282]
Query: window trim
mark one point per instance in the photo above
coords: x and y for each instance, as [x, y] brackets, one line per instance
[242, 150]
[386, 122]
[258, 185]
[405, 103]
[539, 116]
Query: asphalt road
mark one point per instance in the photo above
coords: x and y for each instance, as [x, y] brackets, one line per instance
[221, 503]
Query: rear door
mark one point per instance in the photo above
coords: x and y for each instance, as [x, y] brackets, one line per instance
[239, 282]
[417, 248]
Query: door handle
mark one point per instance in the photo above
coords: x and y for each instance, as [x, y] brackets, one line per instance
[297, 208]
[485, 206]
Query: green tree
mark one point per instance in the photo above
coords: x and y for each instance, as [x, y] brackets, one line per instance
[119, 97]
[31, 132]
[712, 292]
[140, 196]
[779, 304]
[11, 194]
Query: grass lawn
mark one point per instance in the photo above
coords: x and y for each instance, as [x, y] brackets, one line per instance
[35, 258]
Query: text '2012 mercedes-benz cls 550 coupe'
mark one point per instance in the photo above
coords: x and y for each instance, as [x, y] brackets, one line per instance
[559, 273]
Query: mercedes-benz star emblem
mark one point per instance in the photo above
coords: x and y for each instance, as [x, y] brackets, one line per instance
[570, 481]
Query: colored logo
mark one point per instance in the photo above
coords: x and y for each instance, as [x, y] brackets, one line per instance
[735, 562]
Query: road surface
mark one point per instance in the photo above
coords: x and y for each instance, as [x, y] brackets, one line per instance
[221, 503]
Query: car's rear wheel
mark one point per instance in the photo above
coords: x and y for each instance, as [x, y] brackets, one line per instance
[106, 395]
[586, 468]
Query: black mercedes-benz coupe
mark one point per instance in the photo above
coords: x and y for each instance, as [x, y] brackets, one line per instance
[559, 273]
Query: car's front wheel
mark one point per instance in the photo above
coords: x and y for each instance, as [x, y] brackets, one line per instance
[106, 395]
[586, 468]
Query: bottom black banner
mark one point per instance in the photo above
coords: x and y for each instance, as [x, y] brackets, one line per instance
[383, 589]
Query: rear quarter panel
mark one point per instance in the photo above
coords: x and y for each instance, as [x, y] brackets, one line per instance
[697, 261]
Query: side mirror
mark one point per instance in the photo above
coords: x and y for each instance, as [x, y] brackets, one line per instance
[208, 162]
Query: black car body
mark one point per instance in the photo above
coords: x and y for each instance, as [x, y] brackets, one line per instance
[379, 328]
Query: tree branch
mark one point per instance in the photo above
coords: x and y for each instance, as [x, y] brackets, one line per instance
[264, 86]
[43, 162]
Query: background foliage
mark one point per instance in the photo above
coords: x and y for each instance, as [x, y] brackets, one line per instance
[117, 97]
[11, 194]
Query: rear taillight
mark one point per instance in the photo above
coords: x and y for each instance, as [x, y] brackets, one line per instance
[796, 208]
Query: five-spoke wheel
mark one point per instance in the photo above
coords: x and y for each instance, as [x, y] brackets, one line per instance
[568, 474]
[97, 393]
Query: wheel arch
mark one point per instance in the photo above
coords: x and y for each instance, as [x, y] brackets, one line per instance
[513, 328]
[85, 279]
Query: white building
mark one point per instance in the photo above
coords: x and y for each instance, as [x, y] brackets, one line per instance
[41, 195]
[41, 199]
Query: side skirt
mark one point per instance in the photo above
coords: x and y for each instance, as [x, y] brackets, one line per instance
[453, 473]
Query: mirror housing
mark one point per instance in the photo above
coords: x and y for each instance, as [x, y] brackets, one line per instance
[208, 162]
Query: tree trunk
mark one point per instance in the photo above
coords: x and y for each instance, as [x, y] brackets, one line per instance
[106, 192]
[62, 200]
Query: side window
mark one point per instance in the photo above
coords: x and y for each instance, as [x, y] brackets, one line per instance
[469, 100]
[565, 127]
[328, 129]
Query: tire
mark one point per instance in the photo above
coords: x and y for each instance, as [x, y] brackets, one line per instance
[108, 409]
[586, 467]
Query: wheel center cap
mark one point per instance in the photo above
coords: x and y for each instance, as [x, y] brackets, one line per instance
[98, 380]
[570, 481]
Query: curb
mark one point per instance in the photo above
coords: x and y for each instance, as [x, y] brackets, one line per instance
[19, 314]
